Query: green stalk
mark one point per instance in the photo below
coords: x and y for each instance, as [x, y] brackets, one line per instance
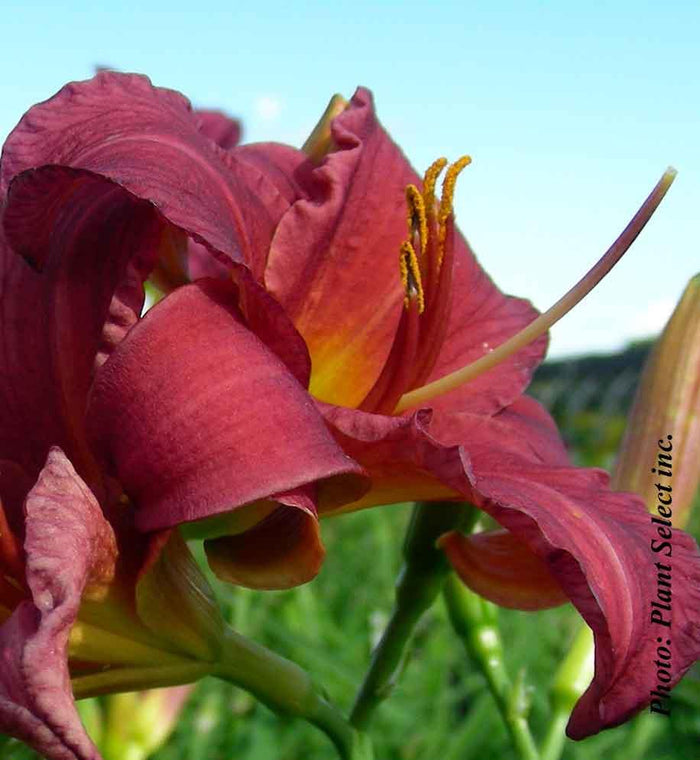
[572, 679]
[420, 580]
[475, 621]
[646, 728]
[279, 683]
[288, 690]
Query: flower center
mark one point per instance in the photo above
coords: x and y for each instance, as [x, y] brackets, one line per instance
[425, 263]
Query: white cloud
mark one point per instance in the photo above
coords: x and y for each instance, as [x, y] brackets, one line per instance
[268, 107]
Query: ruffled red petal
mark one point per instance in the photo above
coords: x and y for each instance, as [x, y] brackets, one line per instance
[197, 417]
[36, 703]
[594, 543]
[149, 141]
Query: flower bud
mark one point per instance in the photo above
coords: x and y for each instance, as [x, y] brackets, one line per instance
[136, 724]
[320, 141]
[661, 447]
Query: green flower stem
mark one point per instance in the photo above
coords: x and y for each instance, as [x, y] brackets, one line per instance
[475, 621]
[418, 585]
[646, 728]
[388, 657]
[571, 680]
[287, 689]
[555, 738]
[280, 684]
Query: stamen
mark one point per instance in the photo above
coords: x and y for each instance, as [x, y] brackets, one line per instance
[417, 220]
[425, 278]
[554, 314]
[448, 188]
[429, 180]
[445, 210]
[410, 276]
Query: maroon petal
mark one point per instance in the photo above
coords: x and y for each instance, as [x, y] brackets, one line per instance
[282, 551]
[480, 319]
[287, 168]
[404, 463]
[15, 484]
[198, 417]
[595, 543]
[94, 244]
[334, 259]
[37, 704]
[498, 567]
[266, 319]
[270, 170]
[148, 140]
[217, 126]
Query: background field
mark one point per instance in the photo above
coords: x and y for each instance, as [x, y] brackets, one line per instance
[441, 708]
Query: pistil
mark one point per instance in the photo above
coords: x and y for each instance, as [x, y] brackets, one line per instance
[540, 325]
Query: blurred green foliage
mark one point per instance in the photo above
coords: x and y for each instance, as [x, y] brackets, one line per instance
[441, 707]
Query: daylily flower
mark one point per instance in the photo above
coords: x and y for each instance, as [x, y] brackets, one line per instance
[215, 418]
[374, 283]
[375, 334]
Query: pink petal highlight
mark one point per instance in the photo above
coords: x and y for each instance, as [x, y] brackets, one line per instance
[36, 703]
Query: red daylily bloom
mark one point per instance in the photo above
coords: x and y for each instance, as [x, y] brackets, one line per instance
[374, 335]
[105, 183]
[568, 536]
[109, 423]
[135, 175]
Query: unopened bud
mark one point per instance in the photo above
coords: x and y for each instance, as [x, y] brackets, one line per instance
[320, 141]
[137, 724]
[661, 447]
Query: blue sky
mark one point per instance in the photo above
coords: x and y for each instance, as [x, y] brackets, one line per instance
[571, 112]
